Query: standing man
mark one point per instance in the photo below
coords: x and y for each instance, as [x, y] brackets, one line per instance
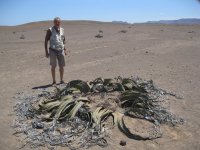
[57, 51]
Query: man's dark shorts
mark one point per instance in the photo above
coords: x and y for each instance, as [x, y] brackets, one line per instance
[57, 55]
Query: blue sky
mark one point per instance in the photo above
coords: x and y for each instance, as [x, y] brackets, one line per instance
[14, 12]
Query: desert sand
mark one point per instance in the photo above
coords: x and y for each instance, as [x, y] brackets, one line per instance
[168, 54]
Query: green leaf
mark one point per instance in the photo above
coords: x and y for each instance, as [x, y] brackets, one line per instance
[83, 99]
[109, 81]
[49, 106]
[99, 114]
[73, 112]
[118, 87]
[128, 83]
[66, 97]
[119, 121]
[62, 107]
[98, 80]
[78, 85]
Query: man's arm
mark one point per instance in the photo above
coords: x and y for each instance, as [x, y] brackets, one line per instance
[64, 42]
[47, 38]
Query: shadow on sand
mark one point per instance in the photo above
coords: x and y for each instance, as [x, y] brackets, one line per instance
[42, 86]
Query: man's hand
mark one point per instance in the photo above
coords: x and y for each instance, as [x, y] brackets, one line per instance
[65, 51]
[47, 38]
[47, 55]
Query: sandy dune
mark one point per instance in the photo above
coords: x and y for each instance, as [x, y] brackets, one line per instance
[168, 54]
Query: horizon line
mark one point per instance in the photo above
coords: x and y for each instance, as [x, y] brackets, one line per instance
[101, 21]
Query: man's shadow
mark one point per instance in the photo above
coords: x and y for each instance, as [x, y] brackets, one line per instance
[42, 86]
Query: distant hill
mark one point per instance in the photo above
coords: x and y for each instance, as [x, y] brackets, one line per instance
[179, 21]
[120, 22]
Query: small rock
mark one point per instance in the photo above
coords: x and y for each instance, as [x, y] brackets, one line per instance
[37, 125]
[122, 143]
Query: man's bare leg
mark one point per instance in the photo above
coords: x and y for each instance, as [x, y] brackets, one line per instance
[53, 73]
[61, 74]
